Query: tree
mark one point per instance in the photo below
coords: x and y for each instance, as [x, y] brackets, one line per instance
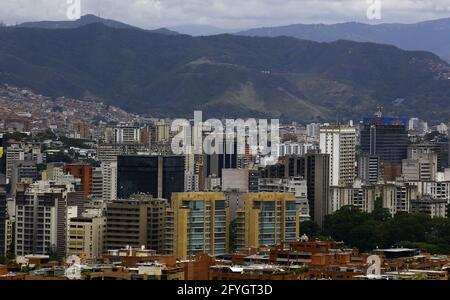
[343, 221]
[379, 213]
[60, 157]
[76, 143]
[407, 227]
[310, 228]
[365, 237]
[378, 229]
[17, 136]
[45, 135]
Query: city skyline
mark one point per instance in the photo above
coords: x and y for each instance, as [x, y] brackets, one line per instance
[296, 153]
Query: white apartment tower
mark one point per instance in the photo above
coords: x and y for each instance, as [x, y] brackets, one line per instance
[14, 153]
[339, 141]
[109, 171]
[42, 212]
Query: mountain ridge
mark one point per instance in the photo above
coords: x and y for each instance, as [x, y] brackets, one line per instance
[225, 75]
[436, 33]
[88, 20]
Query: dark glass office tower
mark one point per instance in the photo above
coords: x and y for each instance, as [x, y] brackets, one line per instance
[158, 176]
[388, 142]
[137, 174]
[317, 175]
[172, 176]
[228, 159]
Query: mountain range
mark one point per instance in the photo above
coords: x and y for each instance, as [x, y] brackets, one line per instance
[433, 36]
[225, 75]
[87, 20]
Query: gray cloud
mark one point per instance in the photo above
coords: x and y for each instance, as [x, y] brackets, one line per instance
[226, 13]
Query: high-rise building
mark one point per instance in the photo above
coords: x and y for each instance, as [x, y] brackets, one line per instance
[436, 189]
[136, 222]
[191, 182]
[82, 171]
[385, 138]
[421, 167]
[358, 195]
[109, 152]
[3, 223]
[448, 134]
[339, 141]
[369, 168]
[14, 153]
[296, 185]
[397, 197]
[226, 158]
[267, 219]
[125, 134]
[2, 160]
[23, 171]
[312, 130]
[201, 224]
[314, 168]
[146, 136]
[162, 132]
[109, 184]
[36, 155]
[97, 183]
[42, 212]
[289, 166]
[418, 149]
[253, 179]
[53, 172]
[159, 176]
[85, 237]
[435, 208]
[9, 236]
[317, 176]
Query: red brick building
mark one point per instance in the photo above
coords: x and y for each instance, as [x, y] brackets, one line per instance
[82, 171]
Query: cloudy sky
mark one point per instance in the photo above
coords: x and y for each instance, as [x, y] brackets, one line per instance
[229, 14]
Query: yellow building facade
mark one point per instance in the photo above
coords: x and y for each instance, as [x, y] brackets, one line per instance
[201, 223]
[267, 219]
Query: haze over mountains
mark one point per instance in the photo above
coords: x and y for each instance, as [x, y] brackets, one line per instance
[200, 30]
[431, 36]
[225, 75]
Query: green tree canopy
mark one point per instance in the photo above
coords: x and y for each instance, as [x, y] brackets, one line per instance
[367, 231]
